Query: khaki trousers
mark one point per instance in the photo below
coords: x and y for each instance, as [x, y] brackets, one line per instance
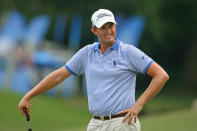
[113, 125]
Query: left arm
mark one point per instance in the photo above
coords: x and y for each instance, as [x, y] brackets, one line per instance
[159, 78]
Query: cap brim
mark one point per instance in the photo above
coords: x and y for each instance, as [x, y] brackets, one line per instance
[100, 24]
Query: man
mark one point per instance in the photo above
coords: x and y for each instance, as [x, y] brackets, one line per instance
[110, 67]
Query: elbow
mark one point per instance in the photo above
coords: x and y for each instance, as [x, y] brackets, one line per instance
[162, 75]
[166, 76]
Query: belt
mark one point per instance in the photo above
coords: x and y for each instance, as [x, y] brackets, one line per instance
[109, 117]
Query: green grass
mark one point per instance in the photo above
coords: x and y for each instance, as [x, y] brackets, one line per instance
[53, 114]
[164, 103]
[184, 120]
[49, 114]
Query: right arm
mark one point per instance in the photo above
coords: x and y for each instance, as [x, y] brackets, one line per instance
[52, 80]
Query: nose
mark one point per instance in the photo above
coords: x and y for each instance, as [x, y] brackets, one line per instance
[108, 30]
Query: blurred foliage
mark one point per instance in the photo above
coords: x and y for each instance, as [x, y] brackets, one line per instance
[169, 36]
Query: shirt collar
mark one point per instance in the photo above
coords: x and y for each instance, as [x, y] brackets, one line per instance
[114, 47]
[96, 47]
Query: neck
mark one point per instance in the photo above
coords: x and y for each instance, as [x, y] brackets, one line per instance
[104, 46]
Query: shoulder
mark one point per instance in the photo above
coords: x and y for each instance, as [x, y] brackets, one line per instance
[127, 45]
[89, 47]
[86, 48]
[128, 49]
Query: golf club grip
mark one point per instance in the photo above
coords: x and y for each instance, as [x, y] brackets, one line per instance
[29, 129]
[27, 114]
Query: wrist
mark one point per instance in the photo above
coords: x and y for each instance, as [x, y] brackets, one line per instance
[140, 103]
[27, 97]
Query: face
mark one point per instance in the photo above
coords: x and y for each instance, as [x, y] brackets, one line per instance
[106, 34]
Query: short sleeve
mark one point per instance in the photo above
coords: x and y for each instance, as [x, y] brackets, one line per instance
[138, 61]
[76, 64]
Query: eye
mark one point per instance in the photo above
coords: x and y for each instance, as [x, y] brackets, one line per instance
[102, 27]
[111, 25]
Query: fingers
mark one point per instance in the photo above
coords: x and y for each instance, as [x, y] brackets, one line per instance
[24, 108]
[130, 117]
[132, 113]
[135, 118]
[22, 112]
[126, 117]
[124, 111]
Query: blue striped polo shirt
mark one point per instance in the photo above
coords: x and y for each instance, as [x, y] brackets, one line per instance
[110, 77]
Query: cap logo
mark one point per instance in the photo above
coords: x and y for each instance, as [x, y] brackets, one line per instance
[102, 15]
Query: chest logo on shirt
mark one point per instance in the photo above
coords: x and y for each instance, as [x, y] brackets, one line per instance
[114, 63]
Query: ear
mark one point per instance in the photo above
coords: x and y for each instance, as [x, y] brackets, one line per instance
[93, 31]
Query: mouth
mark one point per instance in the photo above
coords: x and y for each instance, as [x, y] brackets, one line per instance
[110, 36]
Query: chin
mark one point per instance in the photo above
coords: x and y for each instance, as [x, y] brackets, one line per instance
[110, 41]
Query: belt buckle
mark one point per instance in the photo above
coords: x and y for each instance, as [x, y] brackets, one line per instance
[102, 118]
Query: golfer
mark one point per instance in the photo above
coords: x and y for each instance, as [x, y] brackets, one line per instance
[110, 67]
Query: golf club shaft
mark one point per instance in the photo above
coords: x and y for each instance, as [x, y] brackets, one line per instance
[27, 118]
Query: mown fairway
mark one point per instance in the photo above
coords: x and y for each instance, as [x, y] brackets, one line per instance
[52, 114]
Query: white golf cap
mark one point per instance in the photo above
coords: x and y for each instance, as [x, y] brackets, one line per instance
[102, 16]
